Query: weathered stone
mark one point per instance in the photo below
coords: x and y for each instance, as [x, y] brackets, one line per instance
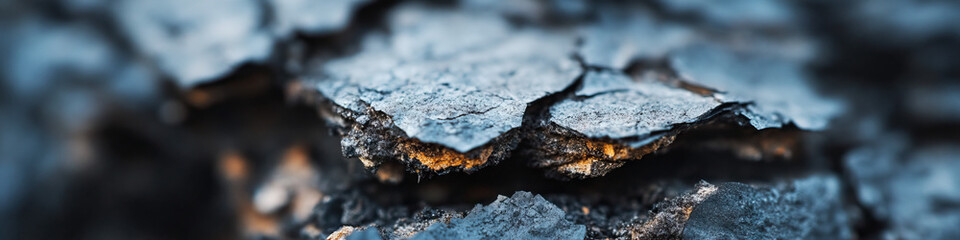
[611, 119]
[522, 216]
[809, 208]
[668, 218]
[445, 89]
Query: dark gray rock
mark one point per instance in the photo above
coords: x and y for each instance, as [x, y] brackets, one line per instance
[668, 218]
[809, 208]
[453, 80]
[521, 216]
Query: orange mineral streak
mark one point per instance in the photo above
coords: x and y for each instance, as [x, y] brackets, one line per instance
[587, 152]
[439, 158]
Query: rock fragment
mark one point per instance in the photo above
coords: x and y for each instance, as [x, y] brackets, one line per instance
[777, 91]
[446, 90]
[521, 216]
[807, 208]
[612, 119]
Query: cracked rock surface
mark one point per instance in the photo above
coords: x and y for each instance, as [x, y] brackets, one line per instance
[612, 119]
[415, 119]
[448, 103]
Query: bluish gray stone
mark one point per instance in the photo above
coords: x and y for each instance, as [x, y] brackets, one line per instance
[454, 78]
[808, 208]
[778, 91]
[612, 105]
[521, 216]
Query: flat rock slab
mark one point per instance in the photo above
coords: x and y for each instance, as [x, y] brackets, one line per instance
[453, 80]
[611, 119]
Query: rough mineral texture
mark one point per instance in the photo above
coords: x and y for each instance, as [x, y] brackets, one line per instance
[805, 209]
[654, 119]
[521, 216]
[808, 208]
[612, 119]
[437, 103]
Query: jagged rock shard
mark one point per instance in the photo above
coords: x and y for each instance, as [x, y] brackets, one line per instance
[778, 89]
[522, 216]
[809, 208]
[612, 119]
[450, 81]
[199, 41]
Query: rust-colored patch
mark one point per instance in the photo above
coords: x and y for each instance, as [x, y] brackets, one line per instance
[341, 233]
[580, 156]
[585, 210]
[296, 159]
[439, 158]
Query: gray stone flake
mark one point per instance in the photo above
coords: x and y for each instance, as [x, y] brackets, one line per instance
[614, 106]
[521, 216]
[458, 79]
[777, 90]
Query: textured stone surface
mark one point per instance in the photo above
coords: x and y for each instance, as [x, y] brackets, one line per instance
[809, 208]
[668, 218]
[521, 216]
[612, 119]
[778, 91]
[453, 80]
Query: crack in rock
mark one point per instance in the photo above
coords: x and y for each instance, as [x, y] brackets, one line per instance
[451, 82]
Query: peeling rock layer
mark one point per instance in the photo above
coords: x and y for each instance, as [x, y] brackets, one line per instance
[439, 103]
[449, 88]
